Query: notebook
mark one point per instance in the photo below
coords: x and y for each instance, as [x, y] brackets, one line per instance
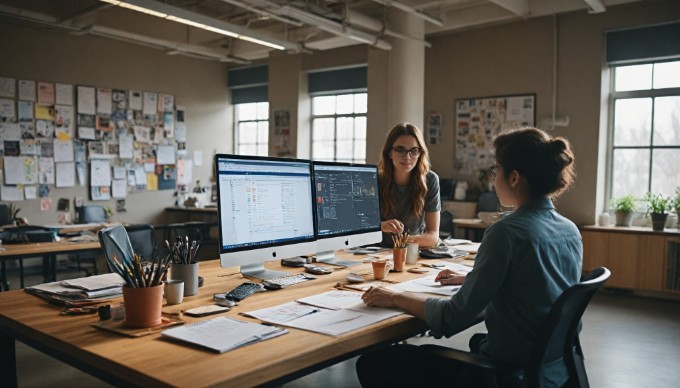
[223, 334]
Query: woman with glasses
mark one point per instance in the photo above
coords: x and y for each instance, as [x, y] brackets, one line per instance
[525, 261]
[409, 190]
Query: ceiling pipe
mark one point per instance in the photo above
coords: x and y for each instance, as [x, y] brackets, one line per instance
[320, 22]
[265, 13]
[359, 19]
[409, 9]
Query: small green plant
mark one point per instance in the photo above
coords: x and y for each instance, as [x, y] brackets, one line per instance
[624, 204]
[657, 203]
[675, 201]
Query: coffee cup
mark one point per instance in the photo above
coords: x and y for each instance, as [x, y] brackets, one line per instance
[174, 291]
[380, 268]
[412, 252]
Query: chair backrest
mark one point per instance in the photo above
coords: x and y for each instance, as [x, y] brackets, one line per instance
[446, 188]
[91, 214]
[559, 334]
[195, 230]
[445, 224]
[143, 240]
[4, 214]
[488, 202]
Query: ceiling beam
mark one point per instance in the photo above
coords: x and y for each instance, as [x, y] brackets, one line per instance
[518, 7]
[595, 6]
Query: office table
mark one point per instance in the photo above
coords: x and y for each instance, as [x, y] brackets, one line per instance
[48, 251]
[471, 225]
[152, 361]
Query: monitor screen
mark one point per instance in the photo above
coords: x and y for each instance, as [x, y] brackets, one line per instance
[347, 208]
[265, 211]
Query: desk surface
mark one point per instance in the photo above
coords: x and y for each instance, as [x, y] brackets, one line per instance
[470, 223]
[150, 360]
[206, 210]
[11, 251]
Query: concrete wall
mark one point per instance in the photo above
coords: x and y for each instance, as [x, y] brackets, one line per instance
[88, 60]
[517, 58]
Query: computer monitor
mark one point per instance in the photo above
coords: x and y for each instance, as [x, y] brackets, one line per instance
[265, 211]
[347, 208]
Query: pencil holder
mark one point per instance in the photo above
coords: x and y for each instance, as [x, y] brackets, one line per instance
[187, 273]
[143, 306]
[399, 258]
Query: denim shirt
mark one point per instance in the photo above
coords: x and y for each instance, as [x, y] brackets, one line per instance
[525, 261]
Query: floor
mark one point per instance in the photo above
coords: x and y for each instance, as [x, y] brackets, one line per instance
[628, 341]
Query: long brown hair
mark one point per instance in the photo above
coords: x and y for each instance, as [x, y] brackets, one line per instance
[417, 181]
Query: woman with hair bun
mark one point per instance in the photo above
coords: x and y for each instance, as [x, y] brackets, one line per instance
[525, 261]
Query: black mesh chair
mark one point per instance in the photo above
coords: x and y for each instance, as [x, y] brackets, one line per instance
[558, 338]
[143, 240]
[488, 202]
[446, 189]
[445, 224]
[194, 230]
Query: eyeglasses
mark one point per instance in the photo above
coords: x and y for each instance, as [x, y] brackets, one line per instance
[413, 152]
[494, 169]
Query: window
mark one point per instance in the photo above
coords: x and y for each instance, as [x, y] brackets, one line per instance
[252, 128]
[339, 127]
[645, 141]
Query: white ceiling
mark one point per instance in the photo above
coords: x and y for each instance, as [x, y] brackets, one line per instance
[296, 24]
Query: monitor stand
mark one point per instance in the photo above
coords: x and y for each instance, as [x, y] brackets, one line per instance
[258, 271]
[329, 257]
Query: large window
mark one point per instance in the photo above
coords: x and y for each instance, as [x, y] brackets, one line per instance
[339, 127]
[645, 140]
[252, 128]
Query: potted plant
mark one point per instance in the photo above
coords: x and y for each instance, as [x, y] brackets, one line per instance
[657, 205]
[675, 202]
[624, 208]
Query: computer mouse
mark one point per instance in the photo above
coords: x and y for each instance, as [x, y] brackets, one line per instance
[354, 278]
[225, 302]
[317, 270]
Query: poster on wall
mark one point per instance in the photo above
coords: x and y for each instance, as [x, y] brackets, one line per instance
[478, 120]
[434, 127]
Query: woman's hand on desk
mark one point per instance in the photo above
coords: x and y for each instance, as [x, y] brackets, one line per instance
[450, 277]
[392, 226]
[379, 297]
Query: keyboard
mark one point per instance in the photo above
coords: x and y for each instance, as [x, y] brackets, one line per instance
[289, 280]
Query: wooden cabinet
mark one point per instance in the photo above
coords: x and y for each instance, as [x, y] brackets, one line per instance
[637, 257]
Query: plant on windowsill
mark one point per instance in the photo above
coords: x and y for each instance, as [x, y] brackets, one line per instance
[624, 208]
[675, 202]
[657, 204]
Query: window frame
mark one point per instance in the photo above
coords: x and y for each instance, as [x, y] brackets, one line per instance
[237, 129]
[614, 96]
[335, 118]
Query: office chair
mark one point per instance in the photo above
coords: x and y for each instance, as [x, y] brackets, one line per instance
[488, 202]
[445, 224]
[91, 214]
[195, 230]
[558, 338]
[143, 240]
[4, 214]
[446, 188]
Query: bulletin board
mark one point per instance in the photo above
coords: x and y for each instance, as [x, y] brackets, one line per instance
[478, 120]
[111, 141]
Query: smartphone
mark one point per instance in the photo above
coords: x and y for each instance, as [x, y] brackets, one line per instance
[206, 310]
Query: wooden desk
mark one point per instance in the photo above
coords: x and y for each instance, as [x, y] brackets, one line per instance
[152, 361]
[48, 251]
[471, 225]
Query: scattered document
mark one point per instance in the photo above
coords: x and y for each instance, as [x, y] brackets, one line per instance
[469, 248]
[282, 313]
[223, 334]
[456, 241]
[427, 285]
[333, 300]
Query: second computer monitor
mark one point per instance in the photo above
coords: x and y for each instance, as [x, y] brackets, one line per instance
[347, 208]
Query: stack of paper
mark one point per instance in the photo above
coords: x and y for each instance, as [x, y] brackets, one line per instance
[223, 334]
[82, 290]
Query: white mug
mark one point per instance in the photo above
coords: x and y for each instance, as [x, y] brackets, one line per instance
[412, 252]
[174, 291]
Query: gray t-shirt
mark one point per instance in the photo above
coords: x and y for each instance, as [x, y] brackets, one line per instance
[414, 225]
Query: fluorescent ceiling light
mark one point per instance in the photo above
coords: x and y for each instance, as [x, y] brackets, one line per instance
[180, 15]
